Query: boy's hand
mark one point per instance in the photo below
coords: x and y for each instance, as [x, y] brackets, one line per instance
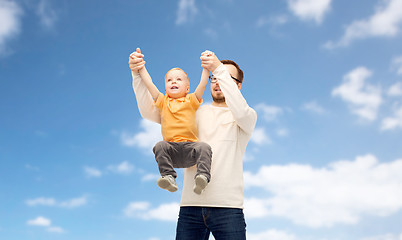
[136, 61]
[209, 61]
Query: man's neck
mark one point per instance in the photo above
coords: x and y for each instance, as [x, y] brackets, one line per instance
[219, 104]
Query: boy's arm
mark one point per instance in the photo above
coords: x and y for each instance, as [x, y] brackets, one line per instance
[203, 83]
[145, 103]
[146, 78]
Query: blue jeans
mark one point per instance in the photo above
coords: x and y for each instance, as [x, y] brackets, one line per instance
[196, 223]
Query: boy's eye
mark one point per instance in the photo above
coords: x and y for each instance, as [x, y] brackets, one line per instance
[179, 79]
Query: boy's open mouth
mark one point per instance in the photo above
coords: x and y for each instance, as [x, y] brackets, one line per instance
[174, 87]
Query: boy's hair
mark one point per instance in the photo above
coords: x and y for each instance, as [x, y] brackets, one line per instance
[239, 71]
[176, 68]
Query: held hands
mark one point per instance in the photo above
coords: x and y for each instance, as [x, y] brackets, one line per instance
[136, 61]
[209, 61]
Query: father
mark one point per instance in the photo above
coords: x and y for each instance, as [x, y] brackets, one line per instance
[226, 125]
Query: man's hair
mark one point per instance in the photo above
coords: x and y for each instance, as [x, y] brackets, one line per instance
[176, 68]
[239, 71]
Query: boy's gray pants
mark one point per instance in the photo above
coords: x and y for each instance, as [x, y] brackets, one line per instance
[170, 155]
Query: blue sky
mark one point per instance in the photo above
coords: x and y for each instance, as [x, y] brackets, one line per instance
[325, 78]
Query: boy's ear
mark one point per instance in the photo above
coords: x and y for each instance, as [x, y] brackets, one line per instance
[187, 89]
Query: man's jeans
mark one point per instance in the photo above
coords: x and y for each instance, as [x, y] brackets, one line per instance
[196, 223]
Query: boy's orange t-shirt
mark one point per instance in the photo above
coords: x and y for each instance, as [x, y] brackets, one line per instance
[178, 117]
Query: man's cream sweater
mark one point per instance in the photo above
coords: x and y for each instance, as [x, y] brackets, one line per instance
[227, 130]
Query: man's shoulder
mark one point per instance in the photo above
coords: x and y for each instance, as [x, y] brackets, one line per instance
[205, 107]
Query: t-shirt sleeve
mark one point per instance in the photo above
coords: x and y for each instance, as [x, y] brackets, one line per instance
[159, 101]
[194, 101]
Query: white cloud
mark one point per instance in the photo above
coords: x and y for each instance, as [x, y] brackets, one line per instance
[45, 222]
[30, 167]
[247, 157]
[146, 139]
[211, 33]
[123, 168]
[384, 23]
[393, 122]
[282, 132]
[260, 137]
[187, 10]
[10, 14]
[269, 113]
[150, 177]
[363, 99]
[262, 21]
[92, 172]
[46, 14]
[41, 201]
[142, 210]
[254, 207]
[40, 221]
[388, 236]
[342, 192]
[271, 234]
[75, 202]
[314, 107]
[397, 64]
[40, 133]
[395, 90]
[51, 202]
[274, 20]
[55, 230]
[310, 9]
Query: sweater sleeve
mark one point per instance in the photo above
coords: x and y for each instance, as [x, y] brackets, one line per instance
[245, 116]
[144, 100]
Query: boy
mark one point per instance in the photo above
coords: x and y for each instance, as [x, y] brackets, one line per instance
[180, 147]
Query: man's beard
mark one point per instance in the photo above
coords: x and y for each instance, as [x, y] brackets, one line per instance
[218, 99]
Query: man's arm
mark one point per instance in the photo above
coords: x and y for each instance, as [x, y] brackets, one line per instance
[199, 91]
[245, 116]
[144, 99]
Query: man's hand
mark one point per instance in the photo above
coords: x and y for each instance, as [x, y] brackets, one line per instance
[209, 61]
[136, 61]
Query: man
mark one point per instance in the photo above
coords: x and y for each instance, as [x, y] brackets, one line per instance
[226, 125]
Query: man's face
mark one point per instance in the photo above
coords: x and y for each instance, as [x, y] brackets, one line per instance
[176, 84]
[217, 94]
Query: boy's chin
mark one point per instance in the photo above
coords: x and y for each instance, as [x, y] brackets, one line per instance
[176, 95]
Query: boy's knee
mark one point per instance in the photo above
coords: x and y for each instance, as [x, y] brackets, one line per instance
[204, 147]
[160, 146]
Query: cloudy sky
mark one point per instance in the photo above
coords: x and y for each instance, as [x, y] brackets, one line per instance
[324, 76]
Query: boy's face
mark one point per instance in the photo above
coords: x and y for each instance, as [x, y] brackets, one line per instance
[177, 84]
